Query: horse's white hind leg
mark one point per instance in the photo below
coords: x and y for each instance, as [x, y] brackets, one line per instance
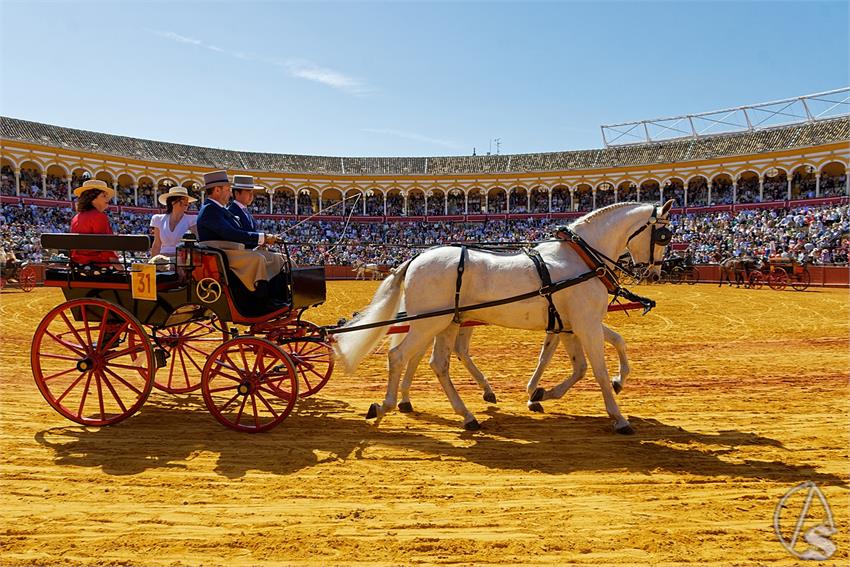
[398, 359]
[550, 345]
[576, 354]
[592, 339]
[464, 337]
[404, 405]
[440, 359]
[614, 338]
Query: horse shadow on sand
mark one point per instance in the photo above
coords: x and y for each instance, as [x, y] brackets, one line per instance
[168, 434]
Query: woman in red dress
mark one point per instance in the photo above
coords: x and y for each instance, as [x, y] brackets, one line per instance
[92, 200]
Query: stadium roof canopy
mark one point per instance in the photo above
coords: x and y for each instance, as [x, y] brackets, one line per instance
[813, 133]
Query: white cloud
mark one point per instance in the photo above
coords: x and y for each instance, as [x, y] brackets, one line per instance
[415, 137]
[296, 68]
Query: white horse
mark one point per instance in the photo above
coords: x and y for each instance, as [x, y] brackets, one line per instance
[429, 283]
[535, 394]
[362, 268]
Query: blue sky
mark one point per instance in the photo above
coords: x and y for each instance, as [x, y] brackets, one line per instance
[405, 78]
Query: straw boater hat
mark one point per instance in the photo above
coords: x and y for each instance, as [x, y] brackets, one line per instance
[95, 184]
[215, 178]
[176, 192]
[244, 182]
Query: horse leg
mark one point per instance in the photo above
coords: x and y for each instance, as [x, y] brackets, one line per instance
[592, 339]
[576, 354]
[404, 405]
[398, 359]
[440, 358]
[464, 337]
[535, 394]
[615, 339]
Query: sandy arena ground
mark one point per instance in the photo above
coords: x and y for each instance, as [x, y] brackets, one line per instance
[736, 395]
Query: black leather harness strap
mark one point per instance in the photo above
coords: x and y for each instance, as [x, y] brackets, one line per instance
[546, 280]
[460, 268]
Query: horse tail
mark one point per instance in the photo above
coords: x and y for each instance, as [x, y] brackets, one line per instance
[351, 348]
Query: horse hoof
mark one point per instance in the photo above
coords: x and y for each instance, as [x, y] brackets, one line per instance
[625, 430]
[617, 387]
[405, 407]
[536, 407]
[472, 425]
[538, 394]
[373, 411]
[490, 397]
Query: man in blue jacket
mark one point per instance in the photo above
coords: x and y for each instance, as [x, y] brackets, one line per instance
[243, 195]
[218, 227]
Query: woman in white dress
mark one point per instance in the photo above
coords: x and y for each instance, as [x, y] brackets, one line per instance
[168, 229]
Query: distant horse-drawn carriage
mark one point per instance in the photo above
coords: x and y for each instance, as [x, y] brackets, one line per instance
[18, 273]
[778, 273]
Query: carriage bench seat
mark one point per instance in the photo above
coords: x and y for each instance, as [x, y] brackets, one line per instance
[70, 276]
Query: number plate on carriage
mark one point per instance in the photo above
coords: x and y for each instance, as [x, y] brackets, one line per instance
[143, 281]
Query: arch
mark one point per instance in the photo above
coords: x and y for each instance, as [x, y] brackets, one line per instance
[307, 199]
[354, 201]
[436, 202]
[415, 202]
[106, 176]
[456, 200]
[374, 201]
[626, 191]
[561, 202]
[721, 189]
[283, 200]
[56, 182]
[518, 199]
[147, 195]
[697, 191]
[539, 198]
[583, 197]
[804, 181]
[833, 179]
[6, 161]
[649, 191]
[497, 200]
[475, 201]
[126, 189]
[395, 202]
[775, 188]
[673, 187]
[7, 176]
[31, 179]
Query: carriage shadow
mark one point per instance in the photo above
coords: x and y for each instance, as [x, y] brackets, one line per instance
[169, 435]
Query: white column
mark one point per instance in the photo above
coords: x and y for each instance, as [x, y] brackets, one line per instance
[616, 191]
[320, 201]
[507, 202]
[115, 188]
[445, 204]
[817, 184]
[385, 204]
[708, 197]
[638, 194]
[686, 195]
[572, 199]
[550, 199]
[67, 183]
[846, 183]
[788, 190]
[404, 205]
[593, 206]
[363, 195]
[486, 203]
[296, 202]
[761, 189]
[661, 193]
[735, 193]
[528, 201]
[18, 182]
[465, 203]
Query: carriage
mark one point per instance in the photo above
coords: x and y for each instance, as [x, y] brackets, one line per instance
[18, 273]
[778, 273]
[678, 269]
[119, 334]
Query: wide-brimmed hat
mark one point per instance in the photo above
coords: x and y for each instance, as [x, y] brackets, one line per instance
[215, 178]
[245, 182]
[176, 192]
[96, 184]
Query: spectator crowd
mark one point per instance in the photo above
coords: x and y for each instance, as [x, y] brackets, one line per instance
[819, 235]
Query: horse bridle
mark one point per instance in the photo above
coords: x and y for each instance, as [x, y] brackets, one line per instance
[660, 235]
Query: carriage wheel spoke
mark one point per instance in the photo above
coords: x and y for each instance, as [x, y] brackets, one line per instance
[100, 395]
[57, 375]
[102, 328]
[233, 366]
[267, 404]
[59, 356]
[192, 360]
[71, 387]
[220, 389]
[254, 408]
[242, 353]
[74, 330]
[241, 409]
[111, 341]
[85, 316]
[85, 395]
[120, 379]
[78, 349]
[130, 350]
[230, 401]
[183, 364]
[114, 393]
[304, 377]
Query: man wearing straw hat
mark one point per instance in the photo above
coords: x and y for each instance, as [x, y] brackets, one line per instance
[219, 228]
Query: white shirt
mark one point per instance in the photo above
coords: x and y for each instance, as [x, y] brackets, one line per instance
[171, 238]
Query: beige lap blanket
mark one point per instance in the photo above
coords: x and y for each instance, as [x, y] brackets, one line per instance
[250, 266]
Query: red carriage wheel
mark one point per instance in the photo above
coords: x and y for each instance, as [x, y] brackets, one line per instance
[189, 346]
[249, 384]
[777, 280]
[92, 362]
[314, 363]
[27, 278]
[802, 280]
[756, 279]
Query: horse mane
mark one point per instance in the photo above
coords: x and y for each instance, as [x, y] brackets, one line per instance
[604, 211]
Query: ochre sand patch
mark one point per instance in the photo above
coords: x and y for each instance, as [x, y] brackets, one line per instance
[736, 396]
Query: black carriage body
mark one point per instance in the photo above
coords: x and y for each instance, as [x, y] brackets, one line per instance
[200, 285]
